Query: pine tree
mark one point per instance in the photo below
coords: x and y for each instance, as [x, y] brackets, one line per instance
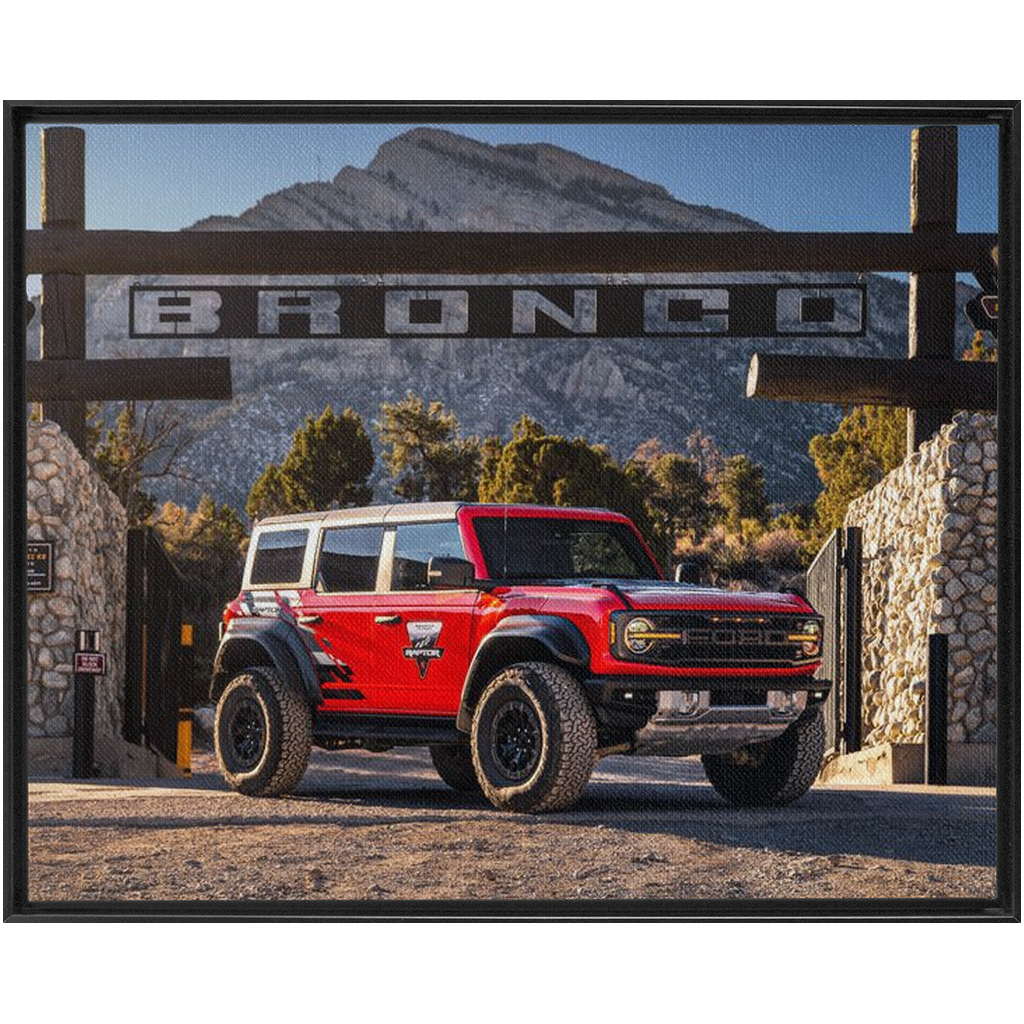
[425, 454]
[741, 491]
[680, 497]
[327, 466]
[270, 495]
[537, 468]
[868, 443]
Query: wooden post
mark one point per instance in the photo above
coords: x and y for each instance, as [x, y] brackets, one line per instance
[62, 329]
[932, 312]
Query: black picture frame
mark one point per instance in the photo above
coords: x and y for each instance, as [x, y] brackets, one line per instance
[1006, 906]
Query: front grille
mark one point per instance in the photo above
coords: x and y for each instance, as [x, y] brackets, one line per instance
[719, 639]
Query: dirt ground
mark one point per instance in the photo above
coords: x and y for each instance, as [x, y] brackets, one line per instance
[383, 827]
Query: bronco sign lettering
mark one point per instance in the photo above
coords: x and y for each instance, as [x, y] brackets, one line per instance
[500, 311]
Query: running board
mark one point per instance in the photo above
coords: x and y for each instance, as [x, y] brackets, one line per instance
[400, 730]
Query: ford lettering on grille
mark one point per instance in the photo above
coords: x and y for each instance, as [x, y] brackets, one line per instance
[690, 638]
[744, 637]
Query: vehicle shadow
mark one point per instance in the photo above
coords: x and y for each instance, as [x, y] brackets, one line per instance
[673, 798]
[927, 827]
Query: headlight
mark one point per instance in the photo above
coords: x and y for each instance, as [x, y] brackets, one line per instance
[808, 635]
[637, 635]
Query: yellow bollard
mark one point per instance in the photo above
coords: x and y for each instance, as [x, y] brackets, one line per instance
[184, 760]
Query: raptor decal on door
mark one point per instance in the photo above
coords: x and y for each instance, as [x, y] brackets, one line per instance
[423, 644]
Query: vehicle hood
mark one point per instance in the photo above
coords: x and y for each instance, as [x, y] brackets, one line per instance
[680, 596]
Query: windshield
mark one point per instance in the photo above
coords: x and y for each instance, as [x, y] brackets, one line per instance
[538, 547]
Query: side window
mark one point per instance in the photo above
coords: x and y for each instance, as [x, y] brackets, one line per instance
[348, 559]
[415, 545]
[279, 556]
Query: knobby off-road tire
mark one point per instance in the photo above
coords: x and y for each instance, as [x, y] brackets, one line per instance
[262, 734]
[533, 739]
[774, 773]
[454, 763]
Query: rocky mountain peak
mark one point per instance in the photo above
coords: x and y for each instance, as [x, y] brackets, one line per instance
[538, 163]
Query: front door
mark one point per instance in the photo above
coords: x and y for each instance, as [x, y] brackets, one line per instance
[422, 637]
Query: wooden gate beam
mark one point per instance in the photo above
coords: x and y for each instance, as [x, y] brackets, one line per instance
[112, 380]
[932, 311]
[220, 253]
[912, 383]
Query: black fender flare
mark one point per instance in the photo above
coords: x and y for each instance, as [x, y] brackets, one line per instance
[256, 641]
[521, 638]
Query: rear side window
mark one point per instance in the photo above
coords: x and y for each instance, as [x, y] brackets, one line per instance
[348, 559]
[415, 545]
[279, 557]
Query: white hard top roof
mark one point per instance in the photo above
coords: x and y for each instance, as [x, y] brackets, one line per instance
[412, 512]
[372, 515]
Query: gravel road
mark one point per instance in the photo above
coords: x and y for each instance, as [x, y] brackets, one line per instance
[384, 827]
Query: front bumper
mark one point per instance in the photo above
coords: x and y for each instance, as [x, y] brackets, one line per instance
[686, 723]
[699, 716]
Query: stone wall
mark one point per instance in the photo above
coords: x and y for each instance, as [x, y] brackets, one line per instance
[70, 505]
[930, 566]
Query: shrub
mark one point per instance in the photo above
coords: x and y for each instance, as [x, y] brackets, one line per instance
[780, 549]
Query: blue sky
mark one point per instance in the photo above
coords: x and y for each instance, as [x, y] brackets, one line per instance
[790, 178]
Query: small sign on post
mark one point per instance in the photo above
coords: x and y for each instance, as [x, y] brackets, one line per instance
[90, 663]
[40, 567]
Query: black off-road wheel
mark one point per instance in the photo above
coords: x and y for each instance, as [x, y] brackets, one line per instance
[262, 734]
[773, 773]
[454, 763]
[533, 739]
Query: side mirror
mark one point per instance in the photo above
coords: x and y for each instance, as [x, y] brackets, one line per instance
[450, 574]
[688, 571]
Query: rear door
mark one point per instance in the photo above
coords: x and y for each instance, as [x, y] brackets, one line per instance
[338, 614]
[422, 637]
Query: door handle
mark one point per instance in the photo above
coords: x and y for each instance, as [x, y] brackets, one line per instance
[308, 620]
[388, 620]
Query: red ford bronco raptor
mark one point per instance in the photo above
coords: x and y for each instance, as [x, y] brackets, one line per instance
[519, 643]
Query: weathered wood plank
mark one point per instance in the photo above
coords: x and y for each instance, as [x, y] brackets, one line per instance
[62, 329]
[932, 311]
[911, 383]
[62, 174]
[220, 253]
[108, 380]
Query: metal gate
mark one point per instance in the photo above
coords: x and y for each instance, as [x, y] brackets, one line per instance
[833, 588]
[159, 677]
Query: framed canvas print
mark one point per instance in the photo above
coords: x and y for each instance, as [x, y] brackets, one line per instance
[472, 511]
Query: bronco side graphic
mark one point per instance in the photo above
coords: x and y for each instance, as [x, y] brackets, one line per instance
[423, 638]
